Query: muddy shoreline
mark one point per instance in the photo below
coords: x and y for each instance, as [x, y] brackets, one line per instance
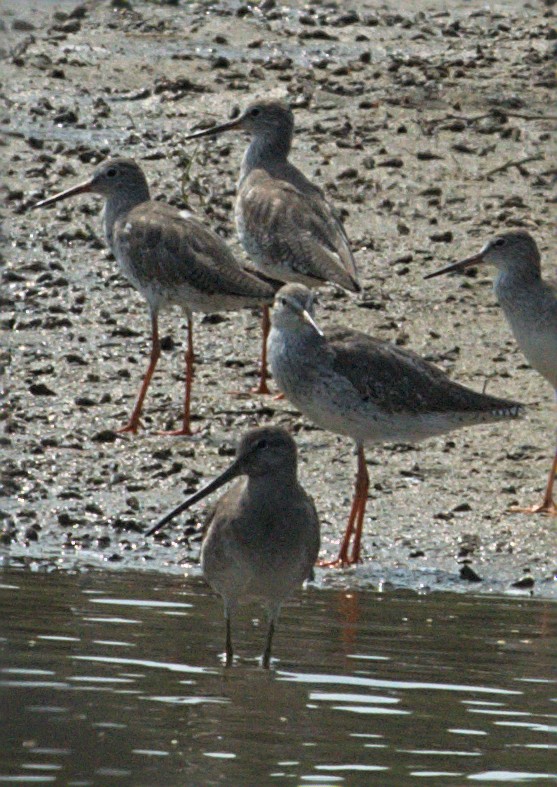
[413, 122]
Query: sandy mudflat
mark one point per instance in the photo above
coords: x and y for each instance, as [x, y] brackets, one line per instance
[401, 116]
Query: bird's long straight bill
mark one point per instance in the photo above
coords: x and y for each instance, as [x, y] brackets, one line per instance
[309, 319]
[81, 188]
[477, 259]
[210, 132]
[230, 473]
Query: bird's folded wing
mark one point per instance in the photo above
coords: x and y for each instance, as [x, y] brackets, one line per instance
[399, 381]
[179, 250]
[299, 229]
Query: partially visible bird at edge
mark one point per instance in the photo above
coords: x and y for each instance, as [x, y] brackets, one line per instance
[529, 303]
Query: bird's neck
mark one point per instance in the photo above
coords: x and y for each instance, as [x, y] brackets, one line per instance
[120, 203]
[265, 151]
[297, 332]
[283, 480]
[511, 282]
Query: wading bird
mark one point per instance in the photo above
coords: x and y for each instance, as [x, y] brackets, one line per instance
[284, 222]
[170, 257]
[263, 534]
[370, 390]
[530, 306]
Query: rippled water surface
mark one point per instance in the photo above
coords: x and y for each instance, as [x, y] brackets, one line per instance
[117, 679]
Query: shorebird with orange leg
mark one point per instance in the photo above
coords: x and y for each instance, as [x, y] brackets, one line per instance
[529, 303]
[170, 257]
[352, 384]
[263, 534]
[285, 224]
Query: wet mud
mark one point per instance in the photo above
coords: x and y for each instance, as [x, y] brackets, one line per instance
[430, 130]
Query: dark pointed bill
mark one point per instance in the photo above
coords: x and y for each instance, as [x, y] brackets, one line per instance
[477, 259]
[81, 188]
[214, 130]
[230, 473]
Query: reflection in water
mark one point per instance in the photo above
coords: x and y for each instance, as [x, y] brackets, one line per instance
[117, 679]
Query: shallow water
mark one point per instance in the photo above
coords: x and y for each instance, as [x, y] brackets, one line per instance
[112, 678]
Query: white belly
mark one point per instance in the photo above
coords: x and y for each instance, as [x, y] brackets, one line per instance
[330, 401]
[538, 342]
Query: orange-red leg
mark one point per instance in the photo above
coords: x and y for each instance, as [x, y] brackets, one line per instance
[547, 506]
[263, 388]
[133, 423]
[356, 518]
[342, 559]
[186, 426]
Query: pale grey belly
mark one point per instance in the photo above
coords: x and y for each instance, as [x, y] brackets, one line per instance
[364, 422]
[331, 402]
[539, 345]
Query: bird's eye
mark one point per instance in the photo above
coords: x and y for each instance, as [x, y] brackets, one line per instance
[282, 301]
[254, 112]
[262, 443]
[111, 172]
[499, 242]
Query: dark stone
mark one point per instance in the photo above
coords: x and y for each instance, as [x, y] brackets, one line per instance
[524, 584]
[106, 436]
[40, 389]
[469, 574]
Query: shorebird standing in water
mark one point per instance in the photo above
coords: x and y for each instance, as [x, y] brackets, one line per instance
[530, 306]
[263, 534]
[370, 390]
[284, 222]
[170, 257]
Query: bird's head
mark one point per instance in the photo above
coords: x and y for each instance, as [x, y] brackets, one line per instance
[513, 252]
[260, 119]
[293, 308]
[110, 177]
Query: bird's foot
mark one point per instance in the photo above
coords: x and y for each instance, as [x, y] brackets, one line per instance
[547, 507]
[339, 562]
[279, 397]
[239, 394]
[132, 426]
[184, 431]
[261, 390]
[258, 390]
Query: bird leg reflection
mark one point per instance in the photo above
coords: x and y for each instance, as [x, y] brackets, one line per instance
[267, 652]
[228, 648]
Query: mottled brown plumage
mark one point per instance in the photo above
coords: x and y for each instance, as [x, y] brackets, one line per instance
[173, 251]
[170, 257]
[292, 234]
[284, 222]
[400, 381]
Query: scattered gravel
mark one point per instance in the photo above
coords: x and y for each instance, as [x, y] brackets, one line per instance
[425, 128]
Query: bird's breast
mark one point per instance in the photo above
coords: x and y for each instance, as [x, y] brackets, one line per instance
[532, 315]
